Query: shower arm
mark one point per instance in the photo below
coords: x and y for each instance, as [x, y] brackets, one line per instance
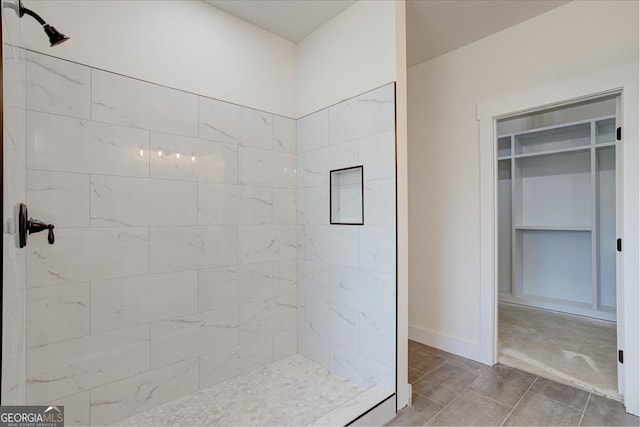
[23, 10]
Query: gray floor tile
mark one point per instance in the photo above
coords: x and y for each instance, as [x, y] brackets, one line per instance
[414, 375]
[503, 384]
[426, 358]
[471, 409]
[421, 411]
[445, 382]
[414, 345]
[606, 412]
[476, 367]
[570, 396]
[537, 410]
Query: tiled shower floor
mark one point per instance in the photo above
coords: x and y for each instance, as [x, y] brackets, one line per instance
[291, 391]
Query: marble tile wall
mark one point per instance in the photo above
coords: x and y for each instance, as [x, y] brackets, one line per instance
[13, 192]
[346, 273]
[174, 265]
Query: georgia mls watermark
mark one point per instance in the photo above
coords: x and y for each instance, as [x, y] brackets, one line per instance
[32, 416]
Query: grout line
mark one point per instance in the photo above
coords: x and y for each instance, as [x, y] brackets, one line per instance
[584, 411]
[449, 404]
[519, 400]
[487, 397]
[562, 403]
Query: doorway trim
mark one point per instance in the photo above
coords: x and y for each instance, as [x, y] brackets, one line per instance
[624, 80]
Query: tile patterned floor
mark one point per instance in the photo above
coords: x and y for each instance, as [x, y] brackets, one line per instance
[451, 390]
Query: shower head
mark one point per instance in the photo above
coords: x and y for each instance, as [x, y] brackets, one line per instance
[55, 36]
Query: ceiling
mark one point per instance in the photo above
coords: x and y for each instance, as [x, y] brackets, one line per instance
[434, 27]
[291, 19]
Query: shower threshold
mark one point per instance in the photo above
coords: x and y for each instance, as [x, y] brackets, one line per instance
[291, 391]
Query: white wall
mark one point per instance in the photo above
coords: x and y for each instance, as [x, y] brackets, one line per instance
[351, 54]
[444, 210]
[187, 45]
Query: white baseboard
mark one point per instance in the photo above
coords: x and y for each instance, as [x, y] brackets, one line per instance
[459, 346]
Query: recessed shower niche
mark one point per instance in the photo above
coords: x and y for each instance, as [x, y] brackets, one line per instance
[347, 196]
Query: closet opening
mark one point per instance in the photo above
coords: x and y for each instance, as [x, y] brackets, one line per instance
[558, 216]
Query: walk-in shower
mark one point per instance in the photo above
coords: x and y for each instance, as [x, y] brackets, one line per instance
[196, 276]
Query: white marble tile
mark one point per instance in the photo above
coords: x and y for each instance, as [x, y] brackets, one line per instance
[380, 202]
[233, 285]
[301, 312]
[285, 344]
[57, 86]
[67, 367]
[186, 248]
[313, 131]
[15, 137]
[125, 101]
[333, 244]
[58, 198]
[300, 170]
[300, 233]
[313, 279]
[284, 277]
[285, 309]
[14, 66]
[186, 337]
[258, 243]
[228, 363]
[316, 318]
[57, 313]
[264, 318]
[333, 323]
[72, 145]
[256, 320]
[256, 128]
[378, 248]
[284, 206]
[343, 326]
[361, 370]
[220, 121]
[120, 303]
[378, 155]
[367, 114]
[314, 348]
[76, 408]
[82, 254]
[266, 167]
[284, 134]
[318, 163]
[367, 291]
[121, 201]
[313, 205]
[192, 159]
[233, 204]
[229, 123]
[377, 339]
[124, 398]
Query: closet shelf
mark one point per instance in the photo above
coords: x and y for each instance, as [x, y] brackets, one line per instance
[554, 227]
[556, 151]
